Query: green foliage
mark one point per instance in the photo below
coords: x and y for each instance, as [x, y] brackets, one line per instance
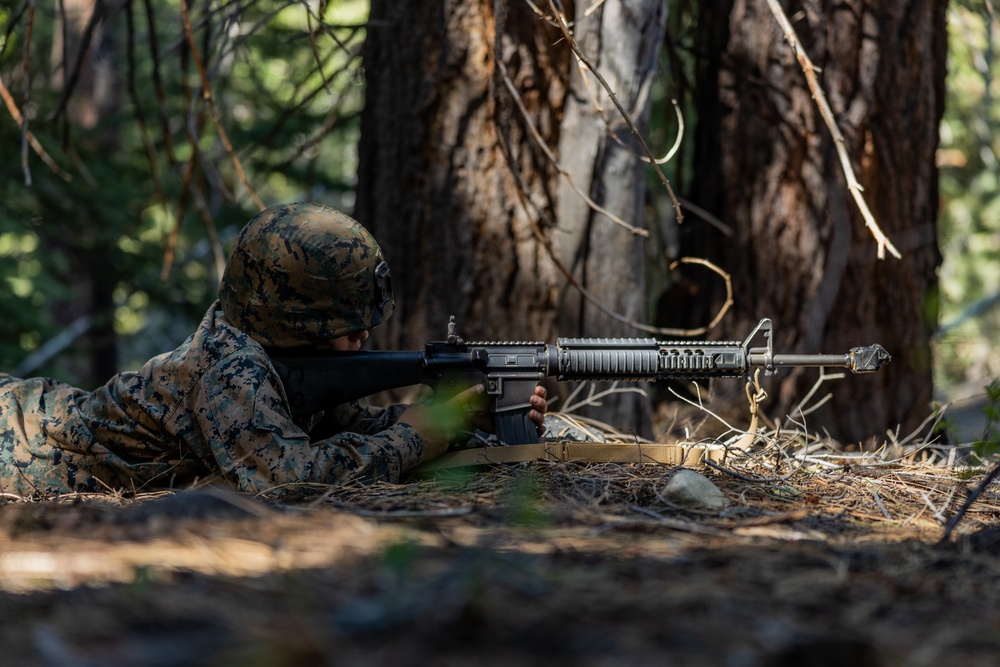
[945, 428]
[400, 558]
[989, 445]
[57, 239]
[523, 505]
[969, 231]
[151, 182]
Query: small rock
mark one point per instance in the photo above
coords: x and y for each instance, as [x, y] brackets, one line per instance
[690, 489]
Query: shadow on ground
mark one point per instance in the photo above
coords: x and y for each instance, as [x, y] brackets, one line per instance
[530, 564]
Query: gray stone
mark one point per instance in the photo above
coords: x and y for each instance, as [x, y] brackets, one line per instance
[690, 489]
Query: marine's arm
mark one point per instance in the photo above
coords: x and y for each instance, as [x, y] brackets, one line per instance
[241, 411]
[257, 445]
[437, 425]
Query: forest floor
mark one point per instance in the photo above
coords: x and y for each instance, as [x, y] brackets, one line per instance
[819, 559]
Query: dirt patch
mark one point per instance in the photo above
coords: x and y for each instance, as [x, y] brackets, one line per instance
[827, 561]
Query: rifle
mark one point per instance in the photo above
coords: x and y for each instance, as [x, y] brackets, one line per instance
[510, 371]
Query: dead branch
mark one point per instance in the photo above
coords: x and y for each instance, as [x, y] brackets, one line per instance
[706, 216]
[171, 245]
[218, 255]
[970, 499]
[289, 112]
[161, 95]
[313, 47]
[564, 26]
[593, 397]
[543, 240]
[838, 139]
[26, 95]
[151, 156]
[614, 135]
[12, 21]
[15, 113]
[677, 140]
[533, 215]
[727, 302]
[81, 58]
[593, 8]
[206, 93]
[552, 158]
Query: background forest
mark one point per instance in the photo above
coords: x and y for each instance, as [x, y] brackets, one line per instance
[155, 130]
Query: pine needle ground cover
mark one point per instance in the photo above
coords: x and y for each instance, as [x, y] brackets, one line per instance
[821, 558]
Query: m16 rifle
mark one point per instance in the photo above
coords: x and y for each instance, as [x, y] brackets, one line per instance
[315, 382]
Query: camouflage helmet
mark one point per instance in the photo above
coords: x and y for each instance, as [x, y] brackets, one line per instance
[302, 274]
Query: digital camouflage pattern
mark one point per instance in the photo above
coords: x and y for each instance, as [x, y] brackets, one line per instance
[214, 408]
[302, 274]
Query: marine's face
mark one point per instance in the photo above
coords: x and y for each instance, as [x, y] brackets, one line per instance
[349, 343]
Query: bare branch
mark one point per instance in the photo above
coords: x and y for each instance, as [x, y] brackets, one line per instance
[593, 8]
[171, 246]
[161, 95]
[533, 215]
[147, 142]
[726, 305]
[81, 58]
[564, 26]
[26, 95]
[313, 47]
[11, 24]
[706, 216]
[972, 497]
[15, 113]
[614, 135]
[218, 256]
[552, 158]
[680, 136]
[838, 139]
[206, 93]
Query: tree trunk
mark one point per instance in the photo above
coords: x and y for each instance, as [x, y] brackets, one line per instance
[96, 98]
[472, 212]
[766, 164]
[447, 165]
[602, 157]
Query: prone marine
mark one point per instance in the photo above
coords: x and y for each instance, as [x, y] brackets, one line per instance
[299, 276]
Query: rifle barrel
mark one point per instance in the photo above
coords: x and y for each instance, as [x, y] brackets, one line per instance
[829, 360]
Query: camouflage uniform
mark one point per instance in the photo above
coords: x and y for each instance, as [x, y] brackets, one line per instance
[299, 275]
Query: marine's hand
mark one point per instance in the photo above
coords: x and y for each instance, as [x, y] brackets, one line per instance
[438, 423]
[539, 406]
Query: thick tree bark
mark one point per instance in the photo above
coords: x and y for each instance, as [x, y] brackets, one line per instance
[601, 156]
[445, 160]
[472, 212]
[768, 167]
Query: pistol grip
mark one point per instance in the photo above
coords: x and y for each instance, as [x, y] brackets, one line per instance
[514, 427]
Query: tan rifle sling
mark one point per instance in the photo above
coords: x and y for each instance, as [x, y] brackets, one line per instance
[593, 452]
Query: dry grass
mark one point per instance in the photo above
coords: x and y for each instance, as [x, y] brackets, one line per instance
[822, 558]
